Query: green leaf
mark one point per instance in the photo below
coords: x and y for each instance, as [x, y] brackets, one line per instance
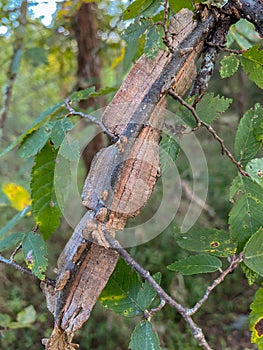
[245, 218]
[11, 240]
[35, 141]
[252, 62]
[256, 319]
[138, 8]
[125, 294]
[210, 108]
[70, 149]
[153, 41]
[243, 33]
[144, 337]
[193, 265]
[253, 252]
[251, 275]
[246, 143]
[43, 118]
[258, 122]
[59, 131]
[177, 5]
[169, 150]
[82, 94]
[35, 254]
[11, 223]
[44, 202]
[135, 30]
[229, 66]
[207, 240]
[255, 169]
[103, 91]
[27, 316]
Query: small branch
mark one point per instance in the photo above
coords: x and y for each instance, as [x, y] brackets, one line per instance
[224, 48]
[224, 149]
[91, 119]
[24, 270]
[163, 24]
[12, 257]
[197, 332]
[234, 263]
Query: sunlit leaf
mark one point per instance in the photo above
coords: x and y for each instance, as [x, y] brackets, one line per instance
[193, 265]
[17, 195]
[44, 202]
[252, 62]
[136, 8]
[35, 254]
[144, 337]
[211, 107]
[136, 29]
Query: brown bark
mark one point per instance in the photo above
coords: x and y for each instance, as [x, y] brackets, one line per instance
[89, 68]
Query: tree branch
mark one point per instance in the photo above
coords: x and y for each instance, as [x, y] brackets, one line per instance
[90, 118]
[197, 332]
[233, 264]
[224, 149]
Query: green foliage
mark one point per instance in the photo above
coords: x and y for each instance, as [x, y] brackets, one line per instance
[125, 294]
[251, 275]
[143, 8]
[229, 66]
[25, 318]
[208, 109]
[14, 221]
[44, 202]
[153, 41]
[144, 337]
[255, 169]
[136, 29]
[59, 130]
[177, 5]
[252, 62]
[36, 56]
[247, 142]
[206, 240]
[256, 319]
[35, 254]
[253, 252]
[245, 217]
[11, 240]
[35, 141]
[195, 264]
[243, 34]
[169, 150]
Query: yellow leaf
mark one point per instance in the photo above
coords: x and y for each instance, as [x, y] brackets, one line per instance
[17, 195]
[118, 59]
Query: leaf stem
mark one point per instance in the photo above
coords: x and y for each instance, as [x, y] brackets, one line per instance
[211, 130]
[91, 118]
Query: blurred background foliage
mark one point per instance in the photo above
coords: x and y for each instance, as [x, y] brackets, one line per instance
[46, 74]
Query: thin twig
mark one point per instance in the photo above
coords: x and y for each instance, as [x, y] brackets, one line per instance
[24, 270]
[12, 257]
[224, 48]
[163, 24]
[234, 263]
[197, 332]
[224, 149]
[154, 310]
[90, 118]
